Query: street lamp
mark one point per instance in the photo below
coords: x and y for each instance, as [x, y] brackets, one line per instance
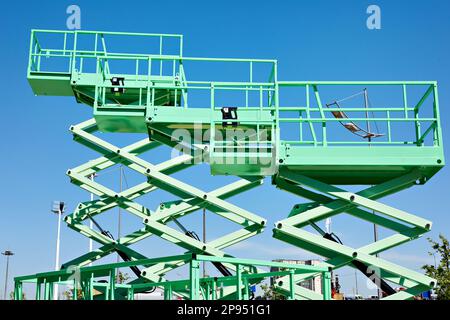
[434, 257]
[7, 253]
[58, 208]
[91, 225]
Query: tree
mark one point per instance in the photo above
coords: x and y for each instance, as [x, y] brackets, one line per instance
[440, 272]
[122, 277]
[68, 294]
[269, 293]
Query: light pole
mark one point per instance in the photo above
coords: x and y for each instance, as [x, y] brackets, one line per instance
[58, 208]
[91, 224]
[434, 257]
[119, 220]
[375, 227]
[204, 239]
[7, 254]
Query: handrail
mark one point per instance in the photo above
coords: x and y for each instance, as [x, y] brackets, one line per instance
[175, 79]
[160, 55]
[108, 33]
[74, 53]
[86, 279]
[394, 115]
[353, 82]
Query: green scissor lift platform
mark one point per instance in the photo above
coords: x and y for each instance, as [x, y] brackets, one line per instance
[311, 137]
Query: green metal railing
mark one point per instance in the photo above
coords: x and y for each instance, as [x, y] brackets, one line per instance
[149, 82]
[410, 112]
[147, 68]
[315, 123]
[86, 281]
[145, 95]
[76, 56]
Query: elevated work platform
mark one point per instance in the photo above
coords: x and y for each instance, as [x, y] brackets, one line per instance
[237, 116]
[153, 92]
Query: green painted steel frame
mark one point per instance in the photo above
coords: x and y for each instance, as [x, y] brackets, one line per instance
[271, 90]
[155, 222]
[330, 201]
[85, 284]
[273, 87]
[415, 161]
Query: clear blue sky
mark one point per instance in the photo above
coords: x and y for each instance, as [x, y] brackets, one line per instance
[313, 40]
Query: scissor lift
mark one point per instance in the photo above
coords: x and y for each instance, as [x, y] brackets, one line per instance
[244, 122]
